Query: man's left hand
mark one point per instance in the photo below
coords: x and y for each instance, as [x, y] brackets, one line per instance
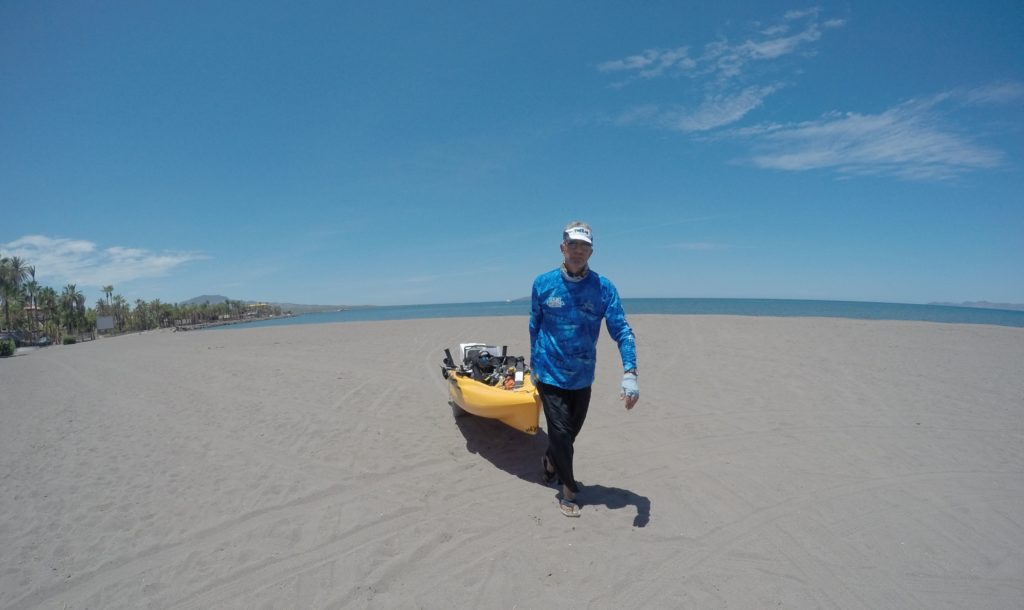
[630, 390]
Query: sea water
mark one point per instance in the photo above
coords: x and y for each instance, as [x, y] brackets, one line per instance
[732, 307]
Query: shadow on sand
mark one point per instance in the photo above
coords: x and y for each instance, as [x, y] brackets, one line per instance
[519, 454]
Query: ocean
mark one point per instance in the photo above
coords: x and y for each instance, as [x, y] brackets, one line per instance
[733, 307]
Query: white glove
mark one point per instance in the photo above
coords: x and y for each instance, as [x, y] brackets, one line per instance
[630, 389]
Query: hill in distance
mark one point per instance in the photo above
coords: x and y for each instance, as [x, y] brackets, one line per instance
[985, 305]
[212, 299]
[296, 308]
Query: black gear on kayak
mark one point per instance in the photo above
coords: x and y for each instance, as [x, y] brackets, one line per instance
[482, 364]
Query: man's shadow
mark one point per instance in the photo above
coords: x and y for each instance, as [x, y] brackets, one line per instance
[519, 454]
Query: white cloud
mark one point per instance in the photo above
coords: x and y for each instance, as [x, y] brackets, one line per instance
[720, 76]
[633, 62]
[714, 111]
[81, 262]
[722, 59]
[652, 62]
[722, 109]
[993, 94]
[910, 141]
[918, 140]
[777, 47]
[775, 30]
[794, 15]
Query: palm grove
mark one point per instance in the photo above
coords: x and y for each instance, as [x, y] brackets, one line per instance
[37, 310]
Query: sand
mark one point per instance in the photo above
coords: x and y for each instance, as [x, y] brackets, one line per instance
[771, 462]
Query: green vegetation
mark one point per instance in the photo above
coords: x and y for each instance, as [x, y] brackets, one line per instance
[6, 348]
[40, 311]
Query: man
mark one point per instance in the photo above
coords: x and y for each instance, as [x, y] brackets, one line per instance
[567, 306]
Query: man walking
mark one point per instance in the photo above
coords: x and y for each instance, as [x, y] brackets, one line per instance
[567, 306]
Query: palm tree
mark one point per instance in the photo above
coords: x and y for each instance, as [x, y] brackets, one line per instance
[120, 311]
[13, 272]
[72, 305]
[5, 286]
[165, 312]
[47, 302]
[32, 289]
[141, 315]
[108, 290]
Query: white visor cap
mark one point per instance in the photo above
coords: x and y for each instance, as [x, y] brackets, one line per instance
[578, 234]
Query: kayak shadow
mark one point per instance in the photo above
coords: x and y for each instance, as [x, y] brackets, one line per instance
[515, 452]
[519, 455]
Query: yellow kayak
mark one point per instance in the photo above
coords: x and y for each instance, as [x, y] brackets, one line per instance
[503, 390]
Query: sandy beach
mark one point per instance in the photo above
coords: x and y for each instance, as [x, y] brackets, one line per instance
[771, 462]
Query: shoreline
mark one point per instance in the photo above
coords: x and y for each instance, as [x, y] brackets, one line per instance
[774, 308]
[218, 323]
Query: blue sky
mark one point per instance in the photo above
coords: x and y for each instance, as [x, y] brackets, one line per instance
[410, 152]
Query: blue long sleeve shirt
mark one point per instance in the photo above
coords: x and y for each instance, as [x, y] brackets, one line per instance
[565, 322]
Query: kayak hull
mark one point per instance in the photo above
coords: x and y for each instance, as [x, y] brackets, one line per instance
[518, 408]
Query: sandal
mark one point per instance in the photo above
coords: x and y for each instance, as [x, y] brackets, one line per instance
[549, 475]
[569, 508]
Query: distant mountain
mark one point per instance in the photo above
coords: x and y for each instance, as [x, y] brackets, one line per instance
[296, 308]
[212, 299]
[985, 305]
